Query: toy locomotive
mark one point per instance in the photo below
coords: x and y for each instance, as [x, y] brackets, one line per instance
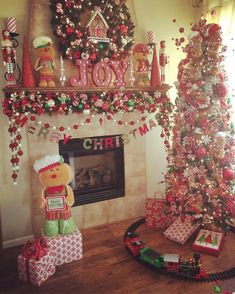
[168, 263]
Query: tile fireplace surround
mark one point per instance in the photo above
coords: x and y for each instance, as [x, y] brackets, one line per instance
[89, 215]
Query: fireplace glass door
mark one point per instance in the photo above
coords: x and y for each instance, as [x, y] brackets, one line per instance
[98, 171]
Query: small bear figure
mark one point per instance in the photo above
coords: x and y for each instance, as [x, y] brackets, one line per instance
[57, 196]
[45, 61]
[142, 65]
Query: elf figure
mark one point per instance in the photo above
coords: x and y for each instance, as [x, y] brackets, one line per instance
[57, 195]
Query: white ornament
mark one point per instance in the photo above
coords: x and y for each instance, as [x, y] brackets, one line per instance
[86, 111]
[51, 103]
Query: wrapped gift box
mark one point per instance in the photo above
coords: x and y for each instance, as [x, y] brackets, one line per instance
[36, 271]
[180, 230]
[208, 242]
[67, 248]
[156, 216]
[230, 205]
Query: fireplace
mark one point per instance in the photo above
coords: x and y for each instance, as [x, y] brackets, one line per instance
[98, 167]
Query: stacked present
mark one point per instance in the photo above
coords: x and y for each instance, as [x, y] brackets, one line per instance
[40, 257]
[36, 263]
[66, 248]
[181, 230]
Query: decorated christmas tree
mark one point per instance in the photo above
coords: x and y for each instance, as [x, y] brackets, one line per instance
[200, 173]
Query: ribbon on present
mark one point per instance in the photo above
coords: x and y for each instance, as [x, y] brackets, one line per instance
[34, 249]
[230, 205]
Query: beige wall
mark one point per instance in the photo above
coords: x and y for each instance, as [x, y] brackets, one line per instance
[157, 16]
[15, 201]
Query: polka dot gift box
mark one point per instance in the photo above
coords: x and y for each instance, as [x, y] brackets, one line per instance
[180, 230]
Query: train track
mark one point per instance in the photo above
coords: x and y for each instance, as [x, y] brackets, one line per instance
[218, 276]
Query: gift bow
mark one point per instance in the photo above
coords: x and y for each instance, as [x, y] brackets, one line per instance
[35, 249]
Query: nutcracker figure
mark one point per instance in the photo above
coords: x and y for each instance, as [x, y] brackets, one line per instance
[163, 60]
[9, 58]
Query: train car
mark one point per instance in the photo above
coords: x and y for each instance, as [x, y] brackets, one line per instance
[189, 267]
[133, 243]
[152, 257]
[171, 262]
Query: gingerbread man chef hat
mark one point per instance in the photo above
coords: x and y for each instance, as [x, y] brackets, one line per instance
[47, 162]
[41, 41]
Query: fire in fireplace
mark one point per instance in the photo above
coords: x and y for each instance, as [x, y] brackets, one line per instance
[98, 167]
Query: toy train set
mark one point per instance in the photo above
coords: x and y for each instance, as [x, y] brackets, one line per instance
[190, 268]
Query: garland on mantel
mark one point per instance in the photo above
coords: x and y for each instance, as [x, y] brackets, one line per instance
[21, 105]
[65, 102]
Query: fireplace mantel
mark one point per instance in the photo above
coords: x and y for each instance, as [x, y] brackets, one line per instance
[70, 100]
[163, 89]
[23, 105]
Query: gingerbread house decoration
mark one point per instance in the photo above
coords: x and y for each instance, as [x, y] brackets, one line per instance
[97, 27]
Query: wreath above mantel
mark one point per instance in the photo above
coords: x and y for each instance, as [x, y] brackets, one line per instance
[92, 29]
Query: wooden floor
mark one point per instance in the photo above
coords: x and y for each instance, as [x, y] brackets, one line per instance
[108, 268]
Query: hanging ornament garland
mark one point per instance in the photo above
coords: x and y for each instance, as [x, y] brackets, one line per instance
[92, 29]
[118, 101]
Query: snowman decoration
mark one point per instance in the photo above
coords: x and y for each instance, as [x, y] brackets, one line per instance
[57, 196]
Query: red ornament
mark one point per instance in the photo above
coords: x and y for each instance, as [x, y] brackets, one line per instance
[69, 30]
[76, 54]
[18, 137]
[105, 106]
[115, 55]
[69, 4]
[228, 174]
[20, 152]
[75, 127]
[93, 57]
[124, 29]
[79, 34]
[220, 90]
[181, 30]
[200, 152]
[61, 129]
[14, 176]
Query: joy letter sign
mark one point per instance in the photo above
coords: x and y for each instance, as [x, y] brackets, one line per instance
[101, 73]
